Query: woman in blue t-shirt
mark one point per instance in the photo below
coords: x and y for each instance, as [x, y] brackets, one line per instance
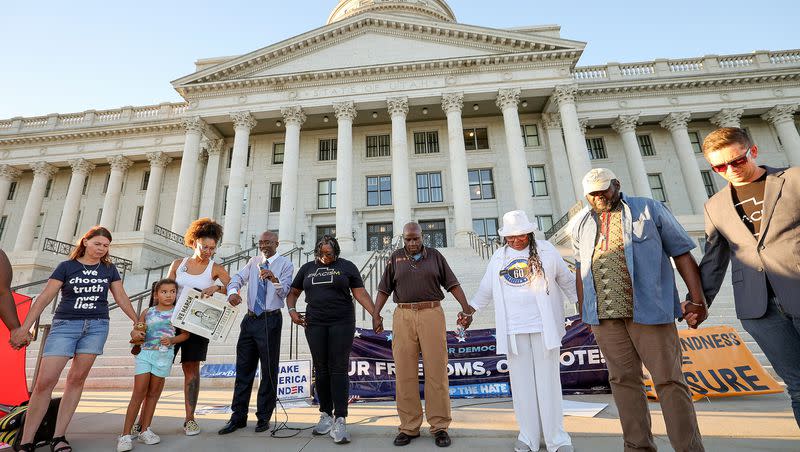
[79, 330]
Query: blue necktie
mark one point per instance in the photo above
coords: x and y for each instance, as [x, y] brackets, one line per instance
[261, 298]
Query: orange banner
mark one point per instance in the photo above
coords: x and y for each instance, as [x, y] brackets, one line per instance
[717, 363]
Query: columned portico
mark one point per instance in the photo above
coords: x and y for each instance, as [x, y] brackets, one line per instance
[507, 101]
[158, 162]
[728, 117]
[398, 110]
[782, 118]
[42, 171]
[184, 194]
[293, 118]
[452, 104]
[209, 189]
[72, 203]
[345, 114]
[573, 134]
[559, 164]
[243, 122]
[677, 123]
[8, 174]
[625, 126]
[119, 166]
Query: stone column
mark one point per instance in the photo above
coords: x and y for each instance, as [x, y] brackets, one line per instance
[345, 114]
[181, 216]
[42, 171]
[564, 195]
[577, 154]
[243, 122]
[8, 174]
[782, 118]
[452, 104]
[209, 190]
[293, 118]
[158, 164]
[625, 126]
[507, 101]
[676, 123]
[72, 204]
[401, 185]
[728, 117]
[119, 166]
[197, 191]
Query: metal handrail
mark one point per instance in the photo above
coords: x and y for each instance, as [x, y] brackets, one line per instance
[160, 269]
[167, 234]
[65, 249]
[137, 298]
[483, 248]
[563, 220]
[233, 259]
[296, 251]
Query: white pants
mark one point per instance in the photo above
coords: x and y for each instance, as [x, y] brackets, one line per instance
[536, 392]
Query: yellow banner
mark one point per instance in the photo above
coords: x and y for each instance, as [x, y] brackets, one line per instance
[717, 363]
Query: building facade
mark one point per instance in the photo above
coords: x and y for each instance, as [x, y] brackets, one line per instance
[392, 111]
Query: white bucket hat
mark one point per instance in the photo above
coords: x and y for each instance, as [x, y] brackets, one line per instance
[516, 222]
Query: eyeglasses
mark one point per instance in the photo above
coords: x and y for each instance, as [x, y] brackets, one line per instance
[737, 162]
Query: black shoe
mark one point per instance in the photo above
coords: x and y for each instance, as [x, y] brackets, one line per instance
[403, 439]
[232, 426]
[441, 438]
[262, 426]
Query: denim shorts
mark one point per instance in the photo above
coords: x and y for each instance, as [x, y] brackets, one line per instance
[154, 362]
[71, 337]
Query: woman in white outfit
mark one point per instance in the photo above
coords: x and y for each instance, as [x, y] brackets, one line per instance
[523, 279]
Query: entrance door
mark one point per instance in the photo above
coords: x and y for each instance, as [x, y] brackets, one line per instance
[434, 233]
[379, 236]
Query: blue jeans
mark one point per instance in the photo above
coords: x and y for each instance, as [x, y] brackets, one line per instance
[778, 335]
[72, 337]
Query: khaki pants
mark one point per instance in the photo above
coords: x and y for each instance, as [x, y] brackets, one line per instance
[625, 346]
[423, 331]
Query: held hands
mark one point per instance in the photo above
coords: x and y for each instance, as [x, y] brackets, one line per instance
[464, 319]
[297, 318]
[20, 338]
[377, 323]
[694, 312]
[234, 299]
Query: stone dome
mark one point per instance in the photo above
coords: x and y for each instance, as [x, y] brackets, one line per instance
[437, 10]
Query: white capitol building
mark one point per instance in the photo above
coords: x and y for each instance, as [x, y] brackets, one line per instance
[392, 111]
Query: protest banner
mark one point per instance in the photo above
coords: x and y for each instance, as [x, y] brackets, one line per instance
[211, 317]
[717, 363]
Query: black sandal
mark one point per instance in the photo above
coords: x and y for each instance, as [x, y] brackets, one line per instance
[25, 447]
[60, 439]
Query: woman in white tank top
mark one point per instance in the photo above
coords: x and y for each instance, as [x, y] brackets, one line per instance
[200, 272]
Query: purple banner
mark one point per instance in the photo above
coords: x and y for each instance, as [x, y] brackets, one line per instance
[475, 370]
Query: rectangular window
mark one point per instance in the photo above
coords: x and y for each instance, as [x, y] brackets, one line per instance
[327, 149]
[379, 145]
[99, 215]
[277, 153]
[3, 220]
[379, 190]
[145, 180]
[544, 222]
[229, 159]
[697, 145]
[379, 236]
[275, 197]
[85, 185]
[657, 187]
[105, 183]
[326, 194]
[38, 231]
[225, 200]
[426, 142]
[708, 182]
[77, 223]
[481, 184]
[538, 180]
[476, 139]
[485, 228]
[596, 148]
[249, 150]
[530, 135]
[328, 229]
[12, 190]
[646, 145]
[48, 187]
[429, 187]
[137, 224]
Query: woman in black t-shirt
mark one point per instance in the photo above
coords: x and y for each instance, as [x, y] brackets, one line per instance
[79, 330]
[330, 324]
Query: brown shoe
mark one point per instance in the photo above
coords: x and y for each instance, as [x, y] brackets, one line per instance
[442, 439]
[403, 439]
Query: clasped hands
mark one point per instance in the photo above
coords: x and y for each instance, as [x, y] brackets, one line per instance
[694, 312]
[465, 319]
[20, 338]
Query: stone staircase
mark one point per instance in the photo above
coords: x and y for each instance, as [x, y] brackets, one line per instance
[114, 369]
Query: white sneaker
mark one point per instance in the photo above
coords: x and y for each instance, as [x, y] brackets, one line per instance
[148, 437]
[520, 446]
[324, 425]
[191, 428]
[339, 431]
[124, 443]
[135, 430]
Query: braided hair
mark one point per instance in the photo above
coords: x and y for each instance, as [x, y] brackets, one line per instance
[327, 240]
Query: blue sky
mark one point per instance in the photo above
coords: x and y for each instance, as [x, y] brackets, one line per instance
[60, 56]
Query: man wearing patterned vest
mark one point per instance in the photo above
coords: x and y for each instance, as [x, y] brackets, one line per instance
[627, 294]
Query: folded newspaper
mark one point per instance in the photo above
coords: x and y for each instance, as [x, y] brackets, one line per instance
[210, 317]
